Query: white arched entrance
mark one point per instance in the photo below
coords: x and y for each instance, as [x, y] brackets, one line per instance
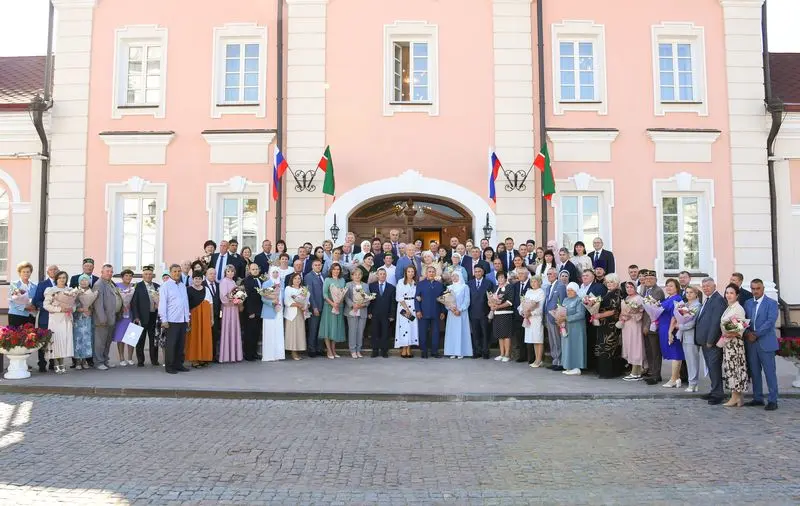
[410, 183]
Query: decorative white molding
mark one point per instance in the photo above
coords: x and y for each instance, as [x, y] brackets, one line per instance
[11, 184]
[581, 31]
[787, 144]
[742, 3]
[113, 194]
[795, 210]
[409, 183]
[410, 31]
[74, 4]
[684, 184]
[18, 135]
[239, 147]
[684, 32]
[237, 186]
[123, 38]
[683, 145]
[137, 148]
[244, 33]
[586, 184]
[582, 145]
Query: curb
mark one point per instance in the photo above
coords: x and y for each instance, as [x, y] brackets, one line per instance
[174, 393]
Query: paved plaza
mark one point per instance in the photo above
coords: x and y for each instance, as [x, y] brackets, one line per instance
[92, 450]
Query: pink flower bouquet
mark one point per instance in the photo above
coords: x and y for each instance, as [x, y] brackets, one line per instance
[20, 296]
[337, 296]
[592, 305]
[302, 298]
[627, 311]
[560, 315]
[525, 310]
[653, 309]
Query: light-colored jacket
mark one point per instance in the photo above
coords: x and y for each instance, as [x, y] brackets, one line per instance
[348, 299]
[107, 304]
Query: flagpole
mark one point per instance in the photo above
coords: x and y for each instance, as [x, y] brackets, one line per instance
[279, 121]
[542, 119]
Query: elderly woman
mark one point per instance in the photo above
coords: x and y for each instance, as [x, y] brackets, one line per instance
[608, 341]
[456, 267]
[428, 261]
[573, 345]
[365, 248]
[20, 294]
[684, 333]
[356, 313]
[534, 333]
[457, 337]
[83, 325]
[124, 318]
[632, 339]
[502, 305]
[60, 323]
[671, 349]
[272, 340]
[734, 366]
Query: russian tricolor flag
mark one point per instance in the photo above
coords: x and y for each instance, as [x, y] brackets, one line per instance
[278, 169]
[494, 170]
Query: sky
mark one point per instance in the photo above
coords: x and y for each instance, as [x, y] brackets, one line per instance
[23, 27]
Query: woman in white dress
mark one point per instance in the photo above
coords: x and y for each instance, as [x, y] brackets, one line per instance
[60, 323]
[272, 345]
[534, 335]
[457, 337]
[294, 332]
[284, 268]
[406, 334]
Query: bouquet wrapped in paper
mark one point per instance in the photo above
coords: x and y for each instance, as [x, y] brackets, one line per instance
[525, 309]
[271, 294]
[627, 311]
[86, 297]
[447, 273]
[361, 298]
[683, 314]
[560, 315]
[237, 295]
[20, 296]
[127, 297]
[592, 305]
[154, 298]
[735, 327]
[448, 299]
[65, 299]
[337, 296]
[302, 299]
[372, 278]
[653, 309]
[493, 300]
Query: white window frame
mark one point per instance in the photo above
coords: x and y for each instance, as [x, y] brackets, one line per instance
[681, 33]
[5, 207]
[583, 184]
[410, 32]
[241, 33]
[124, 38]
[134, 186]
[119, 224]
[580, 31]
[237, 187]
[684, 184]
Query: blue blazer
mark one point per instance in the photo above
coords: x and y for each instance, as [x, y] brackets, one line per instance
[268, 308]
[314, 284]
[466, 263]
[38, 301]
[478, 305]
[764, 324]
[427, 292]
[556, 294]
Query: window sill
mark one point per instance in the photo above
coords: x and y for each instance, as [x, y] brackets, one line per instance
[4, 282]
[580, 102]
[242, 104]
[130, 107]
[681, 102]
[691, 274]
[256, 109]
[431, 108]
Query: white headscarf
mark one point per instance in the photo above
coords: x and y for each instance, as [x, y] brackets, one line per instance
[274, 276]
[456, 287]
[573, 286]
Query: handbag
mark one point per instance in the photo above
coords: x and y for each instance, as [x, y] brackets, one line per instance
[409, 316]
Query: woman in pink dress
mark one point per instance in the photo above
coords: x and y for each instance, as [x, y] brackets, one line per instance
[632, 338]
[230, 341]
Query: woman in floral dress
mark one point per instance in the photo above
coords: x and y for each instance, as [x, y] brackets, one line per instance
[83, 325]
[331, 325]
[124, 318]
[734, 366]
[608, 343]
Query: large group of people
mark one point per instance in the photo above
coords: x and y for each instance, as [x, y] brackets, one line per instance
[570, 304]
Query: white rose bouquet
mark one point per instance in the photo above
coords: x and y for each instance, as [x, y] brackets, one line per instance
[448, 299]
[302, 299]
[592, 305]
[362, 298]
[337, 296]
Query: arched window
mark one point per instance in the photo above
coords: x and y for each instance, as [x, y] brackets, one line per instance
[4, 218]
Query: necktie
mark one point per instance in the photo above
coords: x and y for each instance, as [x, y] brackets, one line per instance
[478, 285]
[213, 291]
[346, 258]
[508, 256]
[220, 264]
[596, 256]
[755, 313]
[702, 307]
[381, 289]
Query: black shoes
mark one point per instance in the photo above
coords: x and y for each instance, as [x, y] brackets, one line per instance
[140, 364]
[771, 406]
[715, 401]
[374, 354]
[171, 371]
[653, 381]
[557, 368]
[182, 369]
[521, 360]
[424, 354]
[754, 403]
[486, 356]
[385, 354]
[706, 397]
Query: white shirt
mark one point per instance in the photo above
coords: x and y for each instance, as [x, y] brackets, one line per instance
[758, 305]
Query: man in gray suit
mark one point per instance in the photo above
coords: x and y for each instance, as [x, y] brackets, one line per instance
[652, 346]
[313, 280]
[556, 293]
[707, 332]
[105, 309]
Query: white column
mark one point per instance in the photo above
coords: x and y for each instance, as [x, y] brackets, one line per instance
[305, 119]
[513, 116]
[70, 130]
[748, 138]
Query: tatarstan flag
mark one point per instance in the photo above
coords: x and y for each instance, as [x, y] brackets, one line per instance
[542, 162]
[326, 165]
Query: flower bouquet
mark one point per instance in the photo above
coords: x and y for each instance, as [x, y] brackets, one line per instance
[20, 296]
[653, 309]
[65, 299]
[361, 298]
[592, 305]
[127, 296]
[448, 299]
[302, 299]
[560, 315]
[525, 310]
[154, 298]
[237, 296]
[627, 311]
[683, 314]
[26, 336]
[86, 297]
[493, 300]
[271, 294]
[732, 328]
[447, 273]
[337, 296]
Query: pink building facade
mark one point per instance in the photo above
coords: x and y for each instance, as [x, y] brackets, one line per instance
[164, 127]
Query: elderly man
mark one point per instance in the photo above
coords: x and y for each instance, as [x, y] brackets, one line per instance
[262, 259]
[44, 317]
[106, 306]
[762, 343]
[144, 311]
[602, 257]
[173, 308]
[404, 262]
[556, 294]
[707, 332]
[394, 238]
[652, 345]
[88, 269]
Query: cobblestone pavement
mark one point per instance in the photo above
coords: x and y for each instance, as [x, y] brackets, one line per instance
[77, 450]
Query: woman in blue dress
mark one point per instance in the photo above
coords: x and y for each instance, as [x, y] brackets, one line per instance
[573, 345]
[83, 327]
[457, 337]
[671, 348]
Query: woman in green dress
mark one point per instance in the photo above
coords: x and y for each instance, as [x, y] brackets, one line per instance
[331, 325]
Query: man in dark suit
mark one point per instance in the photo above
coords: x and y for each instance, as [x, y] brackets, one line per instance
[220, 260]
[555, 295]
[429, 312]
[652, 345]
[313, 281]
[251, 316]
[707, 332]
[508, 257]
[44, 316]
[394, 238]
[465, 261]
[519, 352]
[476, 260]
[144, 312]
[262, 259]
[530, 257]
[381, 313]
[566, 265]
[600, 254]
[479, 286]
[762, 343]
[298, 269]
[350, 239]
[88, 268]
[216, 320]
[236, 259]
[302, 255]
[744, 294]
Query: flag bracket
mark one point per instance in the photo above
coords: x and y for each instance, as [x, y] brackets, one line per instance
[516, 179]
[304, 180]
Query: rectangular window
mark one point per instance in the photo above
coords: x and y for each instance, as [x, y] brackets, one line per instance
[577, 73]
[411, 72]
[241, 70]
[681, 233]
[239, 220]
[580, 219]
[4, 216]
[143, 75]
[139, 231]
[676, 76]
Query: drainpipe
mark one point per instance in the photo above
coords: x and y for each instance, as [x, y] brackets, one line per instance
[279, 125]
[39, 105]
[542, 119]
[775, 109]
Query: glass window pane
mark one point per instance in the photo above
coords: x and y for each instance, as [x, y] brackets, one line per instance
[587, 92]
[570, 223]
[590, 205]
[231, 80]
[154, 68]
[686, 94]
[691, 261]
[684, 79]
[153, 52]
[251, 65]
[232, 65]
[665, 50]
[153, 82]
[230, 208]
[670, 205]
[567, 63]
[670, 242]
[3, 231]
[587, 78]
[667, 79]
[566, 49]
[421, 64]
[420, 78]
[569, 205]
[684, 50]
[568, 78]
[568, 92]
[585, 49]
[251, 79]
[665, 64]
[420, 49]
[670, 225]
[134, 53]
[251, 94]
[685, 64]
[251, 50]
[152, 96]
[671, 261]
[231, 94]
[134, 67]
[586, 63]
[232, 50]
[667, 94]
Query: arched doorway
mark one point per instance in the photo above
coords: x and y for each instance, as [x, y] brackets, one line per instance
[423, 217]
